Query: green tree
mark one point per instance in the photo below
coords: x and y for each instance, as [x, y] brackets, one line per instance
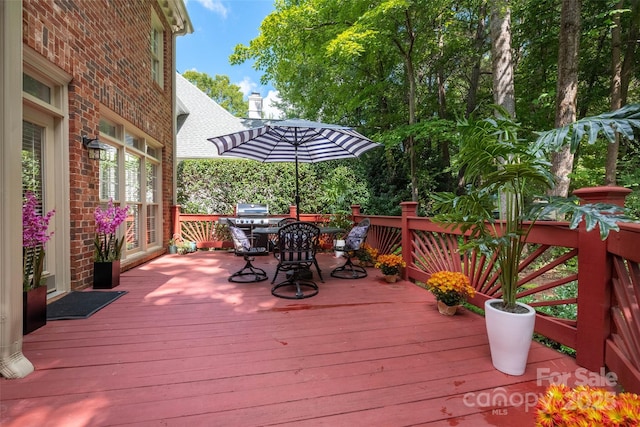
[390, 67]
[220, 89]
[362, 63]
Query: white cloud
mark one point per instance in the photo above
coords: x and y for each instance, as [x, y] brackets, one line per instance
[247, 86]
[269, 110]
[214, 6]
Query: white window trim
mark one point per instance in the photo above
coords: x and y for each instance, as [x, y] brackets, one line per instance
[40, 68]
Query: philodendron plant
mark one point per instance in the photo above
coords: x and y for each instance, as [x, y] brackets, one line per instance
[503, 175]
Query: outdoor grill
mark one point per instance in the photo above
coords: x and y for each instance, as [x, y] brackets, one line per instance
[251, 215]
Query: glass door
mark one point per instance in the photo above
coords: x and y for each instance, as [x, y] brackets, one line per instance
[35, 149]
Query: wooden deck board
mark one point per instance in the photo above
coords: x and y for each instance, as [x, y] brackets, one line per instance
[186, 347]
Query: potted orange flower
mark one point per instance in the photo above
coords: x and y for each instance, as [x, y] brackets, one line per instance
[450, 289]
[562, 406]
[390, 265]
[366, 255]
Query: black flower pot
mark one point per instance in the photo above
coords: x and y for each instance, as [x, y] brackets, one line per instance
[34, 309]
[106, 275]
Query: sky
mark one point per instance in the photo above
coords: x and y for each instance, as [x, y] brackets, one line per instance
[218, 26]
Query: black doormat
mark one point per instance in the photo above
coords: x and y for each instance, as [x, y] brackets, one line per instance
[80, 305]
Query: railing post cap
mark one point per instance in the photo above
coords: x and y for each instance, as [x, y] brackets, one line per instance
[408, 203]
[603, 194]
[409, 208]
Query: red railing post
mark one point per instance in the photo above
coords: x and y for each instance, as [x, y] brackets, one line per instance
[355, 213]
[175, 221]
[594, 283]
[293, 211]
[408, 209]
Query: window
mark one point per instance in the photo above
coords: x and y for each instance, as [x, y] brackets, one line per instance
[109, 175]
[37, 174]
[131, 175]
[32, 162]
[36, 88]
[157, 50]
[133, 186]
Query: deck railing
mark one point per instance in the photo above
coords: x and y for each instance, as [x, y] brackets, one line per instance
[586, 291]
[200, 228]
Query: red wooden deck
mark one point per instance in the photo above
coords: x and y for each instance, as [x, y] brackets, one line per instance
[186, 347]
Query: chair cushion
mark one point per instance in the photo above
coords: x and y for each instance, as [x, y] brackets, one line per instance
[240, 239]
[356, 236]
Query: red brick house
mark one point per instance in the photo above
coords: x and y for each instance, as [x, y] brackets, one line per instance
[72, 71]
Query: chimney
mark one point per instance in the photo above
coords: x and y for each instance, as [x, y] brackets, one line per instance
[255, 106]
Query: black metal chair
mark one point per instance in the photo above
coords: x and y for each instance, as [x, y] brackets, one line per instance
[297, 245]
[285, 221]
[273, 238]
[352, 243]
[243, 247]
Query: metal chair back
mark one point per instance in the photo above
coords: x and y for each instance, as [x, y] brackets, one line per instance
[297, 244]
[285, 221]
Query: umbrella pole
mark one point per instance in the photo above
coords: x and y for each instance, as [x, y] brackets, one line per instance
[297, 189]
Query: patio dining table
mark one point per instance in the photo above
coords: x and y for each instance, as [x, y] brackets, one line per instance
[274, 230]
[269, 234]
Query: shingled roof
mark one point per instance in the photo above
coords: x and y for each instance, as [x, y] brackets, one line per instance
[199, 118]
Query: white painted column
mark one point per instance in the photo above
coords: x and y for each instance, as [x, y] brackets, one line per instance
[13, 364]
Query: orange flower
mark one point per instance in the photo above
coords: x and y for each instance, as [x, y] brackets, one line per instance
[366, 253]
[586, 406]
[390, 263]
[452, 288]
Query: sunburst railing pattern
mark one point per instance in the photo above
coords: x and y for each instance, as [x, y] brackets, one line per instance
[625, 310]
[198, 231]
[622, 352]
[386, 239]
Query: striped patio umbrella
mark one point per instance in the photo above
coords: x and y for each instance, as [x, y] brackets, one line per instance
[294, 140]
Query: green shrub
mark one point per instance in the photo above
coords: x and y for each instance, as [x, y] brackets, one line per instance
[215, 186]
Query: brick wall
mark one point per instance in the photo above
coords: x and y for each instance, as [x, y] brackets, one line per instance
[104, 45]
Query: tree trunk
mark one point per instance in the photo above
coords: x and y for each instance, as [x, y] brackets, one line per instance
[631, 41]
[621, 75]
[616, 99]
[411, 95]
[567, 90]
[478, 43]
[501, 60]
[502, 66]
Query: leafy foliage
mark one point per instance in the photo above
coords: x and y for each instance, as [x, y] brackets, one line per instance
[360, 63]
[217, 185]
[220, 89]
[504, 172]
[623, 121]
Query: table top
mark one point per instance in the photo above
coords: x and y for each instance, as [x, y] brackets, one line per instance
[274, 230]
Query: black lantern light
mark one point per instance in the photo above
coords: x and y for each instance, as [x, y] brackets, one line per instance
[95, 148]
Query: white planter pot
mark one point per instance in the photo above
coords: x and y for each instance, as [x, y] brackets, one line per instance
[338, 244]
[510, 337]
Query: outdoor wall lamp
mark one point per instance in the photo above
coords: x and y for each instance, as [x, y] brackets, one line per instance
[95, 148]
